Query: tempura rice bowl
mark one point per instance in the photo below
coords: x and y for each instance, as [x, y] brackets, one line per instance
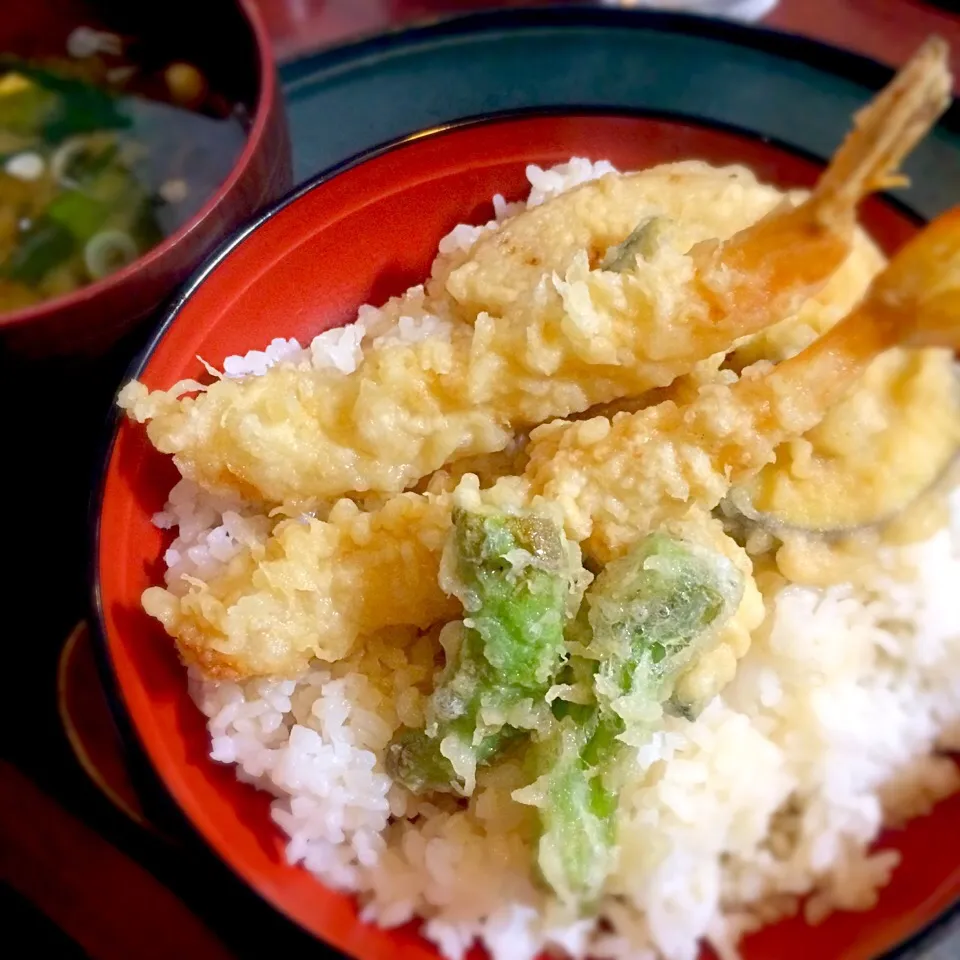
[846, 726]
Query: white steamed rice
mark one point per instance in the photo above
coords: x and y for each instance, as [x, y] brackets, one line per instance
[765, 805]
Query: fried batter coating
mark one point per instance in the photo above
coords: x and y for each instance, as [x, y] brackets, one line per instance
[610, 481]
[531, 325]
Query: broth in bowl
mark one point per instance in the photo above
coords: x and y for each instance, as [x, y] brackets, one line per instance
[102, 155]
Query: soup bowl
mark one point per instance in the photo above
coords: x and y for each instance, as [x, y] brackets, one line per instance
[231, 48]
[357, 234]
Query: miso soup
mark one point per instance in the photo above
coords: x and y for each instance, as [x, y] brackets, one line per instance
[95, 169]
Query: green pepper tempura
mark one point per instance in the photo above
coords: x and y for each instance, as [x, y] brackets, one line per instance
[643, 621]
[649, 615]
[579, 691]
[519, 581]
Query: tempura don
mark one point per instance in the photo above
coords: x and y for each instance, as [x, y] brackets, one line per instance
[574, 461]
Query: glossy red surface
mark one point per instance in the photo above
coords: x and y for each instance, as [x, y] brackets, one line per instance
[93, 318]
[363, 235]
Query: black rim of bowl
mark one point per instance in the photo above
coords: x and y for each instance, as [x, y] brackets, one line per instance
[862, 70]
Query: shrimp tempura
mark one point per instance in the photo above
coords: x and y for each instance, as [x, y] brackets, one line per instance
[539, 321]
[316, 586]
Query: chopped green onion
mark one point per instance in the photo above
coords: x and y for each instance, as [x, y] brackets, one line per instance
[46, 245]
[107, 252]
[81, 215]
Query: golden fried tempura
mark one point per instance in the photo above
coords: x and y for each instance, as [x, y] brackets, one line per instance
[542, 318]
[275, 603]
[611, 481]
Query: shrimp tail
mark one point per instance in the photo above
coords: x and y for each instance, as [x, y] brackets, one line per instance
[773, 266]
[938, 324]
[913, 302]
[884, 132]
[919, 291]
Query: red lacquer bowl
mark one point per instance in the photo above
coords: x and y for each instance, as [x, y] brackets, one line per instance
[230, 45]
[358, 234]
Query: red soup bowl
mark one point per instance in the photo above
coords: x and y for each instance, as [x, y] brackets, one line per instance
[358, 234]
[230, 45]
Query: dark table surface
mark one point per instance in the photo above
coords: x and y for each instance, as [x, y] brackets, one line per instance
[77, 876]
